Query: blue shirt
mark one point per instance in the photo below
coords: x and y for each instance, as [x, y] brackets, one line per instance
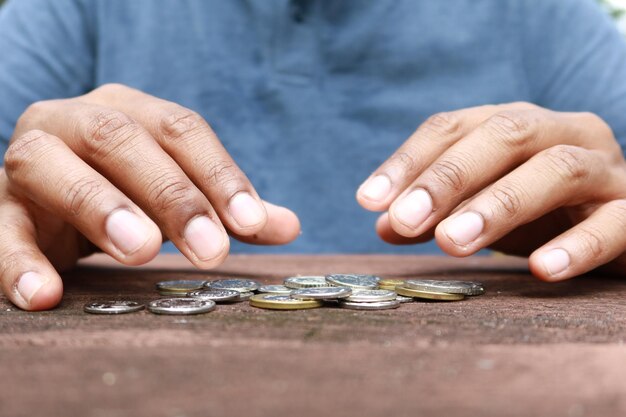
[310, 96]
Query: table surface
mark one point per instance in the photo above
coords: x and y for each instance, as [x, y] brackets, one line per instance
[525, 348]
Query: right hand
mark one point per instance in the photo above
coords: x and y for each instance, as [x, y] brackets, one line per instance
[115, 170]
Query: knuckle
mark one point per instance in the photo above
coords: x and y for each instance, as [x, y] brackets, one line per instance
[107, 130]
[514, 128]
[451, 172]
[218, 171]
[570, 162]
[403, 161]
[442, 124]
[13, 260]
[81, 195]
[169, 192]
[617, 209]
[592, 241]
[508, 198]
[110, 88]
[22, 149]
[183, 123]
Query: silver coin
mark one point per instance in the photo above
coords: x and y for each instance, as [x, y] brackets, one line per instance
[241, 285]
[311, 281]
[179, 305]
[215, 295]
[371, 296]
[366, 282]
[404, 299]
[113, 307]
[180, 286]
[275, 289]
[244, 296]
[380, 305]
[450, 287]
[323, 293]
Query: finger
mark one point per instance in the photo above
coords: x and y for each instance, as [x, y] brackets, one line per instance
[493, 149]
[69, 188]
[386, 233]
[562, 175]
[27, 277]
[594, 242]
[281, 228]
[429, 141]
[191, 142]
[128, 156]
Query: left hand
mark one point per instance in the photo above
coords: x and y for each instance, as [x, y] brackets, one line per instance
[516, 178]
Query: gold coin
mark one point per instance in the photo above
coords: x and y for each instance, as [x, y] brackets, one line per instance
[393, 283]
[429, 295]
[282, 302]
[387, 287]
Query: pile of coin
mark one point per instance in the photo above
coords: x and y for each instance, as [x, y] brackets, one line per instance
[351, 291]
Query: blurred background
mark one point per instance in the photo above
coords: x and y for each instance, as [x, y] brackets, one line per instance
[616, 8]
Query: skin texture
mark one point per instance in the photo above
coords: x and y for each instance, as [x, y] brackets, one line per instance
[516, 178]
[118, 171]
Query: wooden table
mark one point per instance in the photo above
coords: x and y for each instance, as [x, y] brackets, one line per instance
[526, 348]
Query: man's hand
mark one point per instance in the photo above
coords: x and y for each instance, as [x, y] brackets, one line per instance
[517, 178]
[118, 170]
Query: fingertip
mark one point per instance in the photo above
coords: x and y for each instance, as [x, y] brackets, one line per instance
[374, 192]
[285, 223]
[35, 291]
[249, 215]
[134, 238]
[550, 265]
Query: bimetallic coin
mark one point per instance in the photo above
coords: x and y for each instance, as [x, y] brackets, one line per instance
[371, 296]
[393, 283]
[451, 287]
[311, 281]
[429, 295]
[182, 286]
[179, 306]
[404, 299]
[244, 296]
[323, 293]
[113, 307]
[241, 285]
[282, 302]
[367, 282]
[380, 305]
[275, 289]
[215, 295]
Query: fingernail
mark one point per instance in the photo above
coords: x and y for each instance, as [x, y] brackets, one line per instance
[414, 208]
[376, 188]
[246, 210]
[464, 229]
[555, 261]
[28, 285]
[204, 238]
[127, 231]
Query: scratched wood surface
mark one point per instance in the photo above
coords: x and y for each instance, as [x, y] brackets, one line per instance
[526, 348]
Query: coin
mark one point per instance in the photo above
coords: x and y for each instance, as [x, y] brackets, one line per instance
[275, 289]
[323, 293]
[371, 296]
[379, 305]
[311, 281]
[404, 299]
[451, 287]
[430, 295]
[215, 295]
[243, 296]
[390, 282]
[282, 302]
[368, 282]
[182, 286]
[113, 307]
[241, 285]
[179, 305]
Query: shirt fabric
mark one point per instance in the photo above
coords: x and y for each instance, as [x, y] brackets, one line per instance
[310, 96]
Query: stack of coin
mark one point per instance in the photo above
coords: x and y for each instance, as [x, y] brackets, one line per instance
[351, 291]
